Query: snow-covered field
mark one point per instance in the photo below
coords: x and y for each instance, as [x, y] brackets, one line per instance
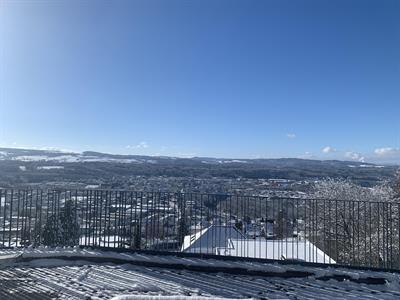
[72, 274]
[71, 159]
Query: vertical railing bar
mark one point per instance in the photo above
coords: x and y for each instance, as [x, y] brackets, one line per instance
[240, 213]
[36, 218]
[266, 227]
[120, 218]
[23, 216]
[90, 215]
[125, 217]
[201, 223]
[93, 218]
[120, 208]
[170, 235]
[336, 232]
[383, 236]
[351, 216]
[130, 234]
[153, 220]
[330, 233]
[137, 228]
[370, 234]
[314, 223]
[107, 222]
[26, 218]
[4, 217]
[18, 215]
[286, 225]
[306, 226]
[273, 228]
[391, 236]
[141, 218]
[30, 216]
[109, 204]
[247, 212]
[398, 235]
[255, 225]
[211, 217]
[131, 229]
[1, 205]
[147, 221]
[297, 229]
[76, 215]
[40, 217]
[190, 211]
[365, 231]
[164, 223]
[86, 211]
[324, 226]
[115, 215]
[101, 221]
[358, 232]
[11, 211]
[292, 221]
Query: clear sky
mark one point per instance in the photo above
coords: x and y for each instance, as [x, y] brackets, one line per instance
[221, 78]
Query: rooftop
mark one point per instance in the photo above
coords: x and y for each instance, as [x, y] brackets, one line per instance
[75, 273]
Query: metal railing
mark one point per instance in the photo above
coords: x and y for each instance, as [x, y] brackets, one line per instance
[354, 233]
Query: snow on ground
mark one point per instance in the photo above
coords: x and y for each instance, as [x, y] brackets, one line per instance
[141, 297]
[44, 273]
[110, 241]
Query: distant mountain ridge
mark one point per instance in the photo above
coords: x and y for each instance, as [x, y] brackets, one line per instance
[25, 165]
[90, 156]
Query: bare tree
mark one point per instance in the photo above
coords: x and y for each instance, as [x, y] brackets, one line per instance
[354, 224]
[397, 185]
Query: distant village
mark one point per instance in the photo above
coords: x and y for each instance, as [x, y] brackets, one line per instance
[215, 185]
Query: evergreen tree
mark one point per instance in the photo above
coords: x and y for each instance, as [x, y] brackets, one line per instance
[62, 229]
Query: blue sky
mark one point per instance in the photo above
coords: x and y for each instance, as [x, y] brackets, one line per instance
[243, 79]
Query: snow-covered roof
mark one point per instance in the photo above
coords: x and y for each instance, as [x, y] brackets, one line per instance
[208, 239]
[284, 249]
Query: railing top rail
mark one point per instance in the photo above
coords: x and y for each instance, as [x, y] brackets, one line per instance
[199, 194]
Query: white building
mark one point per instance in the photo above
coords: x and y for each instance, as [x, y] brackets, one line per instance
[228, 241]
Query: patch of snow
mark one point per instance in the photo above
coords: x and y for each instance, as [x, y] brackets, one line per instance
[22, 168]
[75, 159]
[107, 159]
[28, 158]
[231, 161]
[92, 186]
[235, 161]
[161, 297]
[64, 158]
[50, 168]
